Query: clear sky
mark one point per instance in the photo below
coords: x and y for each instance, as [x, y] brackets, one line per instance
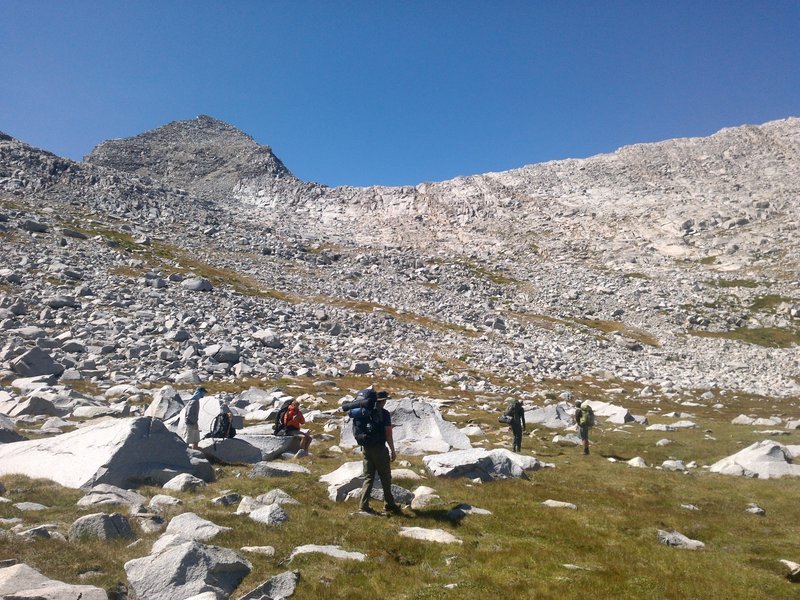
[398, 92]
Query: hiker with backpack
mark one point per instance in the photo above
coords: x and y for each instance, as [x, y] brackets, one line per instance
[292, 420]
[372, 428]
[584, 419]
[191, 415]
[516, 414]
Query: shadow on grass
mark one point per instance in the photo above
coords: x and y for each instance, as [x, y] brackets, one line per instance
[616, 457]
[453, 516]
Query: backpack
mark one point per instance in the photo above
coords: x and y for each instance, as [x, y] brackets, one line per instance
[587, 416]
[221, 427]
[367, 418]
[279, 428]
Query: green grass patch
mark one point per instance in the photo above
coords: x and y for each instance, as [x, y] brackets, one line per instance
[769, 337]
[611, 537]
[488, 274]
[616, 327]
[733, 283]
[769, 302]
[708, 260]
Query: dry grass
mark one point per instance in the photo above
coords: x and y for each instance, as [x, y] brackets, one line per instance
[769, 337]
[522, 548]
[616, 327]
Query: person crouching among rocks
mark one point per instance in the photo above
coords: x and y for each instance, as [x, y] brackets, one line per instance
[292, 421]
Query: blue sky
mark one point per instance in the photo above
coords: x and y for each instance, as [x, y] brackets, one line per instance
[395, 93]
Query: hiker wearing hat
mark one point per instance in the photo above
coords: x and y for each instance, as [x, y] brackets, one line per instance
[372, 427]
[191, 414]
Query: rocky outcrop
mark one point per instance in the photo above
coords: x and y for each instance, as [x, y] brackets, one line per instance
[765, 460]
[668, 265]
[124, 453]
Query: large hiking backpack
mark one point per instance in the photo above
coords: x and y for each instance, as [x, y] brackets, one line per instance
[587, 416]
[221, 427]
[508, 415]
[279, 428]
[367, 418]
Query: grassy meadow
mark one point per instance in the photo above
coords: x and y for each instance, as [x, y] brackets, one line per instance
[607, 548]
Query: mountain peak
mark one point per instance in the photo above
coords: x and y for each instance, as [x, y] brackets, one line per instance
[204, 155]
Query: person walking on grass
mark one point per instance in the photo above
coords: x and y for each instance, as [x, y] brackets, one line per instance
[372, 428]
[584, 419]
[516, 413]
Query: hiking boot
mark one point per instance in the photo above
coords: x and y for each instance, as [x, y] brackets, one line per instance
[586, 451]
[301, 453]
[394, 509]
[368, 511]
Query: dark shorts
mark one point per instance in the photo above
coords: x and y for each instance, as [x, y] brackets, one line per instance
[583, 432]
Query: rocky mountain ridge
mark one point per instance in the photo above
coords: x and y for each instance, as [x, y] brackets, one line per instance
[649, 197]
[667, 267]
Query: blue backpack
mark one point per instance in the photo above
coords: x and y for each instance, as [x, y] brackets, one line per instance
[367, 418]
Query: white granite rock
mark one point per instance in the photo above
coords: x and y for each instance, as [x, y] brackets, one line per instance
[119, 452]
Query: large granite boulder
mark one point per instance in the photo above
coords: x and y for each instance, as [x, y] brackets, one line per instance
[417, 428]
[479, 463]
[271, 446]
[120, 452]
[185, 568]
[554, 416]
[611, 413]
[765, 460]
[21, 581]
[36, 362]
[230, 451]
[166, 403]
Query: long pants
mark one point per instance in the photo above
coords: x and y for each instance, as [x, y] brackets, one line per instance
[376, 458]
[517, 431]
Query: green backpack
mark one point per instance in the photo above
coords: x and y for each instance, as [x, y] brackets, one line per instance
[587, 416]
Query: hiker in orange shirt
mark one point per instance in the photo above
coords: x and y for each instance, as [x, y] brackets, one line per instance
[293, 419]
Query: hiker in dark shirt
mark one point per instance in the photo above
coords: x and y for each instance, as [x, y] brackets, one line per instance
[517, 413]
[378, 454]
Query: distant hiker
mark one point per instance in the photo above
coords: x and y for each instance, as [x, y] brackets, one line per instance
[292, 420]
[372, 428]
[191, 414]
[584, 419]
[516, 413]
